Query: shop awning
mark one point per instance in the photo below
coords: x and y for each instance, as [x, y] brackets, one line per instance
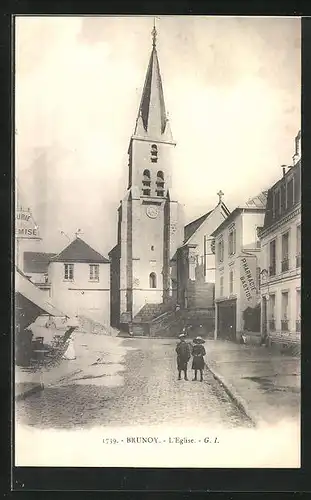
[26, 288]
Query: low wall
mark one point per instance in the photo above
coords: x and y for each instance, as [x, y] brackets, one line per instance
[287, 342]
[157, 326]
[88, 325]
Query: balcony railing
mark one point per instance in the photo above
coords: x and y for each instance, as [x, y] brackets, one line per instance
[271, 325]
[285, 265]
[298, 325]
[272, 270]
[284, 325]
[298, 261]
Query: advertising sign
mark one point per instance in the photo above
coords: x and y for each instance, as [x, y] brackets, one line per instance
[25, 226]
[248, 282]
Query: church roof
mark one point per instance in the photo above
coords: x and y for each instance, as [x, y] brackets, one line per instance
[193, 226]
[37, 262]
[79, 251]
[152, 108]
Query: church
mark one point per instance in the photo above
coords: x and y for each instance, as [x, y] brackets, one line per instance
[158, 264]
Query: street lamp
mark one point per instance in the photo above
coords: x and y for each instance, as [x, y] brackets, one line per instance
[264, 274]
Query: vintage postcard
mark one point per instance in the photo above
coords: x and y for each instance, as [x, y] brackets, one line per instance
[157, 241]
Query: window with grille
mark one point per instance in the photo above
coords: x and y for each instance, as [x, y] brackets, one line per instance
[232, 242]
[146, 183]
[160, 183]
[146, 178]
[272, 258]
[272, 312]
[285, 250]
[231, 281]
[221, 251]
[68, 272]
[284, 319]
[221, 288]
[154, 153]
[94, 272]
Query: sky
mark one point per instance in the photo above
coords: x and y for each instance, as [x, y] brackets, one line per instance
[232, 87]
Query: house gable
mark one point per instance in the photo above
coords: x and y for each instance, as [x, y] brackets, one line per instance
[211, 221]
[79, 251]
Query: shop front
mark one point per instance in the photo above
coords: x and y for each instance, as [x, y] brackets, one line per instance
[226, 319]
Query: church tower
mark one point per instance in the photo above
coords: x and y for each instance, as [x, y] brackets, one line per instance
[150, 226]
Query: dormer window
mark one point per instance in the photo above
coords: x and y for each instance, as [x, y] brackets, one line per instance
[277, 203]
[290, 192]
[154, 153]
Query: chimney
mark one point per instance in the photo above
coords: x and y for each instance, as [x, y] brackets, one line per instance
[284, 169]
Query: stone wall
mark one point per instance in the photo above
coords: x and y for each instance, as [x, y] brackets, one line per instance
[200, 295]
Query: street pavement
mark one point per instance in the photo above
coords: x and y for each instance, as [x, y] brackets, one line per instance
[267, 381]
[129, 382]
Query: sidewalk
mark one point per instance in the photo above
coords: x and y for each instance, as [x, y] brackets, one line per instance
[88, 348]
[266, 384]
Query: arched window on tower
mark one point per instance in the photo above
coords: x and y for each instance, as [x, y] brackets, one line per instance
[146, 183]
[154, 153]
[160, 183]
[153, 280]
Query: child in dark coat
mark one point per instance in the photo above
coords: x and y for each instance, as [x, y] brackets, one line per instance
[198, 353]
[183, 356]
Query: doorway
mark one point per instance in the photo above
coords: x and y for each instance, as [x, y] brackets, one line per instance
[226, 326]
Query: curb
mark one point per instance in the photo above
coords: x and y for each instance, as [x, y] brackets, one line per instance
[29, 392]
[236, 398]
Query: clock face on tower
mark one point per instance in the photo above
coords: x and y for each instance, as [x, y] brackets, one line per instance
[152, 211]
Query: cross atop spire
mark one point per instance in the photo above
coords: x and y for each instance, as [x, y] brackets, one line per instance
[152, 119]
[78, 233]
[154, 34]
[220, 194]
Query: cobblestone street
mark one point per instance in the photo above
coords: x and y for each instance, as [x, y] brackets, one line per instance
[138, 387]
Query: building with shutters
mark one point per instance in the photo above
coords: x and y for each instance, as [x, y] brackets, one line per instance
[79, 278]
[237, 253]
[281, 256]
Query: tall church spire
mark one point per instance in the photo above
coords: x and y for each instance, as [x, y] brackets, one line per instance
[152, 118]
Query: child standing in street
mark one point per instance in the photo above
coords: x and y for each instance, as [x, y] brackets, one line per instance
[183, 356]
[198, 353]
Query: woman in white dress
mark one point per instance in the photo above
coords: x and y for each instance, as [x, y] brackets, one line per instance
[70, 352]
